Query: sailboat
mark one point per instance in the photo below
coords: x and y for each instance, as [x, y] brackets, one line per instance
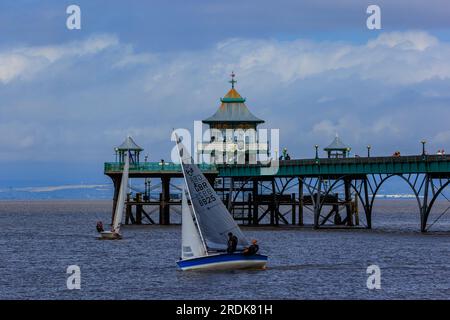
[206, 224]
[115, 234]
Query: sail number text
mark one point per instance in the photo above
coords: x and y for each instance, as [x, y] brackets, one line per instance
[204, 193]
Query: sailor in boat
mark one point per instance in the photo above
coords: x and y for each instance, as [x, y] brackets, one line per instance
[252, 249]
[100, 227]
[232, 242]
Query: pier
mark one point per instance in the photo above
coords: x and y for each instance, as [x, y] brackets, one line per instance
[339, 190]
[315, 184]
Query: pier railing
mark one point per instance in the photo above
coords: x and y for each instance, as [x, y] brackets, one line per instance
[439, 164]
[111, 167]
[357, 165]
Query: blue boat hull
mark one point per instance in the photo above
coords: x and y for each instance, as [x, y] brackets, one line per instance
[224, 261]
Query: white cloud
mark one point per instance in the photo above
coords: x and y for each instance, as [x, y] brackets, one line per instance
[12, 65]
[386, 124]
[397, 58]
[150, 133]
[16, 136]
[325, 99]
[325, 127]
[350, 127]
[442, 137]
[128, 57]
[310, 90]
[412, 40]
[25, 62]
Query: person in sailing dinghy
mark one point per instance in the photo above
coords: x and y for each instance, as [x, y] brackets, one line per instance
[253, 249]
[99, 227]
[232, 243]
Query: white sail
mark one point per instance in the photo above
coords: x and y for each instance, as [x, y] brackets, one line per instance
[213, 218]
[122, 196]
[192, 245]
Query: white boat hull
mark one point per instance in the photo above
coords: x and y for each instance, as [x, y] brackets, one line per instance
[108, 235]
[224, 262]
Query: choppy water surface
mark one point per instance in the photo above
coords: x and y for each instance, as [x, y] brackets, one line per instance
[38, 240]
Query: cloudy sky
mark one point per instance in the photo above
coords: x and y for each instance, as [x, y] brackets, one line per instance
[310, 68]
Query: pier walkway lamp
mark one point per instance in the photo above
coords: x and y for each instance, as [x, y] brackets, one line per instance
[368, 151]
[284, 153]
[423, 147]
[317, 151]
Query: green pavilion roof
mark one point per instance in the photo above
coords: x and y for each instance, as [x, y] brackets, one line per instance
[129, 144]
[233, 110]
[337, 144]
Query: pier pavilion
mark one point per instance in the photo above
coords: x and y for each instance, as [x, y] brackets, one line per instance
[233, 135]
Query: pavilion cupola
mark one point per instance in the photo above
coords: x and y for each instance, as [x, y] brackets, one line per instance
[337, 149]
[232, 127]
[131, 147]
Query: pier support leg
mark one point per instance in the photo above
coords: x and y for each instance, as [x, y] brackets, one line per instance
[348, 199]
[424, 209]
[356, 211]
[271, 213]
[255, 203]
[128, 213]
[139, 214]
[230, 196]
[367, 206]
[249, 209]
[211, 179]
[317, 203]
[229, 203]
[161, 208]
[294, 206]
[138, 208]
[273, 207]
[164, 209]
[300, 202]
[129, 210]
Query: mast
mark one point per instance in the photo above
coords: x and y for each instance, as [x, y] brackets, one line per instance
[180, 151]
[191, 243]
[121, 200]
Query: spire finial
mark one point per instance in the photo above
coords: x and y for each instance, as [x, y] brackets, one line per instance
[232, 81]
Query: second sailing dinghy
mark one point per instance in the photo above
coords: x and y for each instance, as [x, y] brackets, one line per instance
[114, 234]
[206, 224]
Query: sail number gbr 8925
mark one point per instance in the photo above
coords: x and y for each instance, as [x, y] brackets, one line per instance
[205, 194]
